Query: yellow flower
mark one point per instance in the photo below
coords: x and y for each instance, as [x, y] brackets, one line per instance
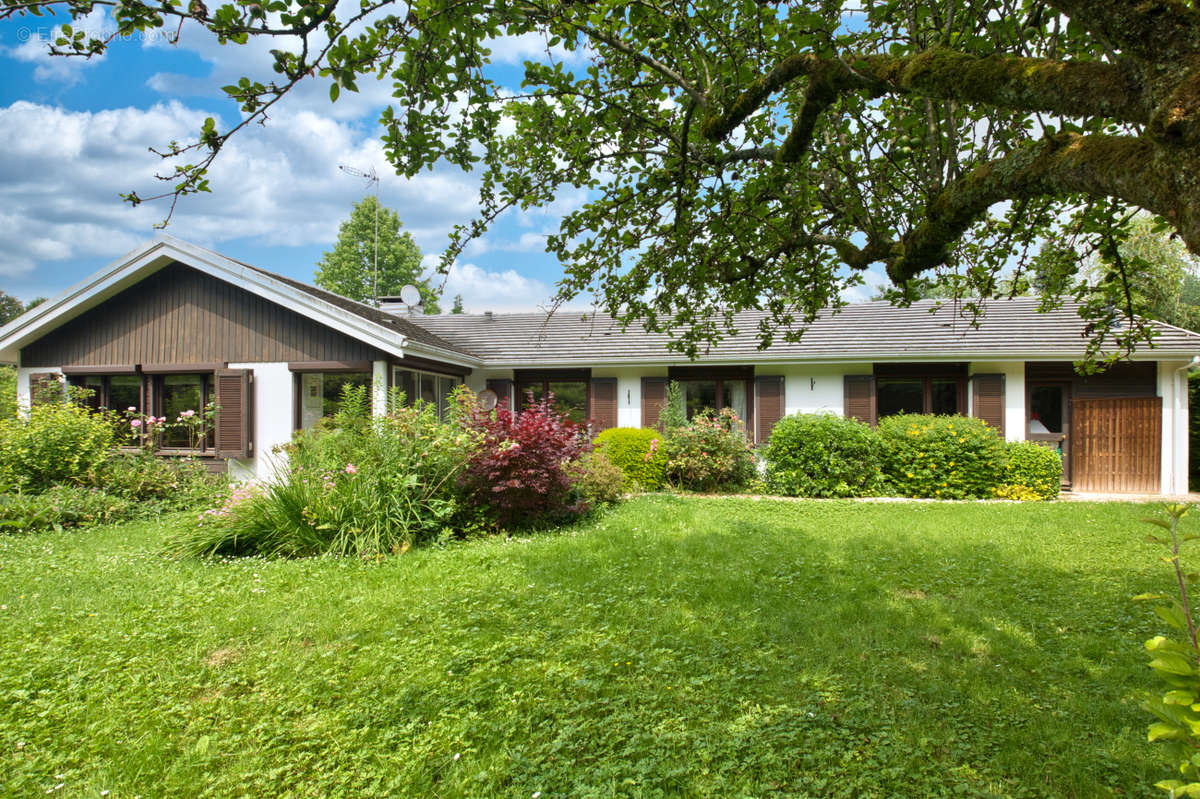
[909, 474]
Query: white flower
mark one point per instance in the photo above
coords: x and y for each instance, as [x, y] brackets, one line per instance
[457, 755]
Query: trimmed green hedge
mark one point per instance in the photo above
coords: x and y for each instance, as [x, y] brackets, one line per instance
[1032, 472]
[638, 453]
[941, 457]
[822, 455]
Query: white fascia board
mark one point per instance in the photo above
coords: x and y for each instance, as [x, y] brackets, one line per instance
[133, 267]
[422, 350]
[907, 357]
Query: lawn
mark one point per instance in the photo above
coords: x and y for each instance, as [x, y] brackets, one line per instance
[672, 647]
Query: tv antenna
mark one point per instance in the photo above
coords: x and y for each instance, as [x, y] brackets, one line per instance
[370, 177]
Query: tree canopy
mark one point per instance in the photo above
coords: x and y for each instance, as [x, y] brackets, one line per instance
[747, 153]
[349, 268]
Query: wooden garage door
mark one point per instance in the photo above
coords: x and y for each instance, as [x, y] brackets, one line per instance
[1116, 445]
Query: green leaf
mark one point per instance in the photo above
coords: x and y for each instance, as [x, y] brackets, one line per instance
[334, 91]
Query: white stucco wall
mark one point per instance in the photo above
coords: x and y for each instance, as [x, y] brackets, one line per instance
[1172, 387]
[814, 388]
[274, 419]
[1014, 394]
[629, 390]
[23, 394]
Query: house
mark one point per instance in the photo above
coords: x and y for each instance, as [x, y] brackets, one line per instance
[171, 326]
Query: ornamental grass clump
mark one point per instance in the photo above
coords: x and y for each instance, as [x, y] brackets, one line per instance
[823, 455]
[711, 453]
[353, 485]
[941, 457]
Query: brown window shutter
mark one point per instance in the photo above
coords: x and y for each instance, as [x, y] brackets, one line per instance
[602, 403]
[860, 398]
[235, 417]
[768, 402]
[654, 397]
[504, 392]
[988, 400]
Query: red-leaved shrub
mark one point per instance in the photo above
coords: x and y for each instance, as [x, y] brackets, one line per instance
[519, 469]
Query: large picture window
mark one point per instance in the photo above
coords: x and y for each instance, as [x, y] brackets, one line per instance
[942, 394]
[700, 395]
[321, 393]
[425, 387]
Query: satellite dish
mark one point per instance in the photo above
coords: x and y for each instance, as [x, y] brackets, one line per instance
[488, 399]
[410, 295]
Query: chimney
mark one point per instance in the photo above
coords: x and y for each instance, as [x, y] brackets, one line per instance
[487, 315]
[392, 305]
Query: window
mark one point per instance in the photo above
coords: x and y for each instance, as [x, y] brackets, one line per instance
[699, 395]
[570, 392]
[175, 394]
[938, 395]
[425, 387]
[321, 393]
[115, 392]
[1046, 404]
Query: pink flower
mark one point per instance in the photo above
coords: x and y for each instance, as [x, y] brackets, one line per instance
[135, 423]
[351, 468]
[132, 409]
[186, 414]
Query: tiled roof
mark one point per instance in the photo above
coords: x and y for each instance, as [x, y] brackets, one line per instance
[398, 323]
[867, 331]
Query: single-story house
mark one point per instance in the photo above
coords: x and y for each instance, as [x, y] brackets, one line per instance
[171, 326]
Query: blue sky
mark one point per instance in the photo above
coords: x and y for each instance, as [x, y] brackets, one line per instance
[77, 134]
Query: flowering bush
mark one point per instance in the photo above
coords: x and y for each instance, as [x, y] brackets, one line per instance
[355, 485]
[519, 468]
[597, 480]
[941, 457]
[59, 443]
[822, 455]
[712, 453]
[1031, 472]
[640, 454]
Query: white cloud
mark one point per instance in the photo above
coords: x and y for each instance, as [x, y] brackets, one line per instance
[61, 172]
[482, 290]
[34, 48]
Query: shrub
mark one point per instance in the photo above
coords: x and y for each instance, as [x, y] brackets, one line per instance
[354, 486]
[941, 457]
[168, 483]
[1031, 472]
[711, 453]
[58, 443]
[598, 481]
[518, 470]
[61, 507]
[638, 453]
[822, 455]
[674, 410]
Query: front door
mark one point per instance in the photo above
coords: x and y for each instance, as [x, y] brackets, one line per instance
[1048, 421]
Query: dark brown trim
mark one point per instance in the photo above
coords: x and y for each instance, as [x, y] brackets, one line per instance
[933, 369]
[329, 366]
[710, 372]
[424, 365]
[545, 375]
[180, 368]
[81, 371]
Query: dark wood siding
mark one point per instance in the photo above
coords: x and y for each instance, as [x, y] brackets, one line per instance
[181, 315]
[988, 400]
[1116, 444]
[1126, 379]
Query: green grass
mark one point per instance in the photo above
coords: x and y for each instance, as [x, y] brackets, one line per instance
[673, 647]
